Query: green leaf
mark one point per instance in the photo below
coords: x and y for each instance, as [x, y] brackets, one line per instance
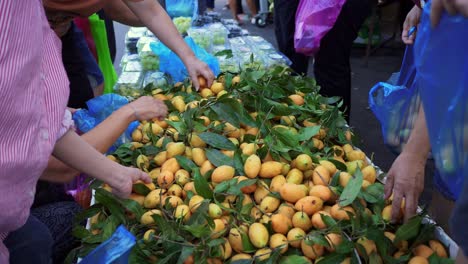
[286, 136]
[332, 258]
[227, 113]
[408, 230]
[216, 242]
[330, 222]
[293, 259]
[186, 252]
[110, 225]
[238, 162]
[335, 179]
[110, 202]
[169, 258]
[90, 212]
[434, 259]
[375, 258]
[217, 141]
[185, 163]
[141, 188]
[165, 226]
[133, 207]
[308, 132]
[373, 193]
[201, 185]
[246, 244]
[178, 125]
[345, 247]
[200, 216]
[222, 187]
[217, 158]
[80, 232]
[339, 165]
[351, 190]
[317, 238]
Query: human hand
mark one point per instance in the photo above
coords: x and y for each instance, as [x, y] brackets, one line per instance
[405, 180]
[412, 20]
[123, 178]
[452, 7]
[195, 68]
[146, 108]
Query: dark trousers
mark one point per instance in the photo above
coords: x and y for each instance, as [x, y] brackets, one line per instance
[332, 68]
[210, 4]
[32, 243]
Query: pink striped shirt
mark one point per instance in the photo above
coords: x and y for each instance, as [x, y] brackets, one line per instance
[33, 97]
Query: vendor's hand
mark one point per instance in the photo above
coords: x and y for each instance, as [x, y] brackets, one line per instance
[412, 20]
[123, 179]
[405, 180]
[195, 68]
[147, 108]
[452, 7]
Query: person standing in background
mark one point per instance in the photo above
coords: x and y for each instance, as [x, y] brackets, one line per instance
[332, 68]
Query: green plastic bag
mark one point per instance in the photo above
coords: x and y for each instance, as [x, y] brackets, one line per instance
[98, 30]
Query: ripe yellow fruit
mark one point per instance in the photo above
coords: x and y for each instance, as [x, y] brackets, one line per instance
[235, 237]
[277, 182]
[318, 143]
[148, 235]
[303, 162]
[219, 229]
[217, 87]
[297, 99]
[341, 213]
[154, 198]
[369, 174]
[170, 165]
[258, 235]
[423, 251]
[195, 202]
[309, 205]
[317, 221]
[147, 219]
[223, 173]
[137, 135]
[178, 103]
[329, 165]
[301, 220]
[387, 213]
[205, 167]
[311, 251]
[355, 155]
[199, 156]
[150, 185]
[261, 192]
[236, 79]
[334, 240]
[438, 248]
[196, 141]
[344, 178]
[249, 149]
[214, 211]
[262, 254]
[368, 245]
[365, 184]
[175, 190]
[142, 162]
[281, 223]
[173, 201]
[269, 204]
[226, 249]
[160, 158]
[270, 169]
[295, 176]
[182, 177]
[252, 166]
[205, 93]
[418, 260]
[295, 237]
[140, 199]
[324, 192]
[202, 82]
[286, 210]
[165, 179]
[292, 192]
[240, 256]
[182, 211]
[247, 189]
[279, 241]
[321, 176]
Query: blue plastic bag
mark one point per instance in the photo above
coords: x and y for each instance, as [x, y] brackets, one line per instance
[441, 59]
[115, 250]
[181, 8]
[100, 108]
[396, 103]
[171, 64]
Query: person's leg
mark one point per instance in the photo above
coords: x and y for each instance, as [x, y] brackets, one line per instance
[252, 7]
[285, 17]
[210, 5]
[332, 68]
[32, 243]
[233, 7]
[58, 217]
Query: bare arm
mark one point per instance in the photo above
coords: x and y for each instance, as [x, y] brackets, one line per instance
[405, 178]
[72, 150]
[106, 133]
[156, 19]
[118, 11]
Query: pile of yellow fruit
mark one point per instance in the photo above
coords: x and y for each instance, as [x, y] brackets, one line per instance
[256, 206]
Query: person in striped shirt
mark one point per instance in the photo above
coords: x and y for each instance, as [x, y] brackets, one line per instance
[35, 124]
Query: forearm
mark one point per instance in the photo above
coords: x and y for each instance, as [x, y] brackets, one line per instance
[118, 11]
[158, 22]
[418, 142]
[76, 153]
